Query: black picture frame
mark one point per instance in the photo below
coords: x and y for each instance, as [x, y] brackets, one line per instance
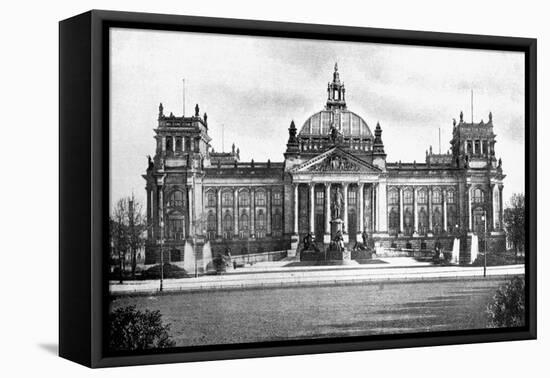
[84, 189]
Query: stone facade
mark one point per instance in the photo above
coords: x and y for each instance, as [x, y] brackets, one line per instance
[334, 167]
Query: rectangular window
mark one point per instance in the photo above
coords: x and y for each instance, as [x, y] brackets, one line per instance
[211, 200]
[352, 197]
[260, 198]
[319, 198]
[175, 229]
[277, 199]
[451, 197]
[227, 199]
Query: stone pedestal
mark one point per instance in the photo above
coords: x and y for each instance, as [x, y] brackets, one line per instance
[335, 226]
[346, 255]
[294, 242]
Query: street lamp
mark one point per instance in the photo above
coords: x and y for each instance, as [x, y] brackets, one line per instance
[161, 241]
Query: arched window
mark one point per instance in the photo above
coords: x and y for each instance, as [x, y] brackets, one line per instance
[478, 195]
[436, 196]
[211, 224]
[451, 196]
[227, 225]
[260, 220]
[408, 197]
[244, 199]
[227, 199]
[422, 197]
[260, 224]
[176, 199]
[211, 199]
[259, 198]
[393, 197]
[243, 222]
[175, 228]
[277, 224]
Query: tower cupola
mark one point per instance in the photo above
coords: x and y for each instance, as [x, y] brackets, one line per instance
[336, 92]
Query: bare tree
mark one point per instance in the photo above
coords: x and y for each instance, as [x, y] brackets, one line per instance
[127, 225]
[514, 221]
[119, 234]
[136, 227]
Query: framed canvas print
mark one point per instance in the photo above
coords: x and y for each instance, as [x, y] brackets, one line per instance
[234, 188]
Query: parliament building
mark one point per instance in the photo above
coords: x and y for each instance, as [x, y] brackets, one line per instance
[195, 194]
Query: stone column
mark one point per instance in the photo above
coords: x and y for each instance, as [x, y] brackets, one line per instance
[236, 212]
[328, 209]
[268, 211]
[252, 217]
[219, 212]
[296, 209]
[500, 206]
[345, 185]
[174, 143]
[312, 207]
[494, 202]
[373, 206]
[361, 208]
[430, 209]
[382, 219]
[149, 222]
[163, 144]
[415, 215]
[469, 208]
[444, 194]
[190, 210]
[401, 228]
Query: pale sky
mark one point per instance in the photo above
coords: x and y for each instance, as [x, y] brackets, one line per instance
[255, 86]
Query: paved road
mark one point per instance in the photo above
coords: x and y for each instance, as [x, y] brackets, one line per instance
[311, 276]
[240, 316]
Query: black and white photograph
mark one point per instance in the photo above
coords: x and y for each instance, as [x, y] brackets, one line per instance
[266, 189]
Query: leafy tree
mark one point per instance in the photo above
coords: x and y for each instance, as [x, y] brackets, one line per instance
[514, 221]
[508, 306]
[131, 329]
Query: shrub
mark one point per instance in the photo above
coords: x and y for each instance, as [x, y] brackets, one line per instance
[496, 259]
[508, 306]
[169, 271]
[131, 329]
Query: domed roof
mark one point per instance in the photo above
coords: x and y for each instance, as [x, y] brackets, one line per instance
[351, 125]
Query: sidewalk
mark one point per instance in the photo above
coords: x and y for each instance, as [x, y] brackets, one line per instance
[272, 275]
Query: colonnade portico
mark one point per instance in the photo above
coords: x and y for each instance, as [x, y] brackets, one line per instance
[328, 190]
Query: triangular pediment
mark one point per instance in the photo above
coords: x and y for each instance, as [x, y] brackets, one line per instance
[336, 160]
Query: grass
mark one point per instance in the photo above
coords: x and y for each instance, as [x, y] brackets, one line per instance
[243, 316]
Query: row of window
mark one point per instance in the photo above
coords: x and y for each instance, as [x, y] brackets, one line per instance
[477, 147]
[243, 198]
[408, 221]
[180, 144]
[177, 199]
[422, 196]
